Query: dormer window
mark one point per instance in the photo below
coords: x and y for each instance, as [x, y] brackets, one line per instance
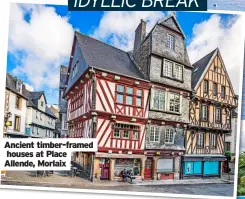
[75, 70]
[171, 41]
[19, 86]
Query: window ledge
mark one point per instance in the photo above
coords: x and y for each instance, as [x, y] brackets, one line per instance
[174, 79]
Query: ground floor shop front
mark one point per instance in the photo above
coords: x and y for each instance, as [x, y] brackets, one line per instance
[198, 166]
[109, 166]
[161, 165]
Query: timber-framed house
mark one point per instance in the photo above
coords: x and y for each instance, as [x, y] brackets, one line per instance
[108, 99]
[210, 117]
[163, 58]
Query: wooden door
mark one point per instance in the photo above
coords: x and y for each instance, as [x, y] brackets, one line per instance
[148, 169]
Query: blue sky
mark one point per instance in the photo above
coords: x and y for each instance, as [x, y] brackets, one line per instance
[40, 38]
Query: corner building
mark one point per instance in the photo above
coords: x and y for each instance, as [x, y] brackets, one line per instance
[211, 110]
[108, 99]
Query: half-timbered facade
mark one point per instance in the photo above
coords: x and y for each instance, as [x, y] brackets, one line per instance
[108, 99]
[162, 57]
[210, 117]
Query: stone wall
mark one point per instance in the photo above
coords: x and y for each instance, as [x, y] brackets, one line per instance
[178, 140]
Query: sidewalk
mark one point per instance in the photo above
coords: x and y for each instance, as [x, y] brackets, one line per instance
[29, 178]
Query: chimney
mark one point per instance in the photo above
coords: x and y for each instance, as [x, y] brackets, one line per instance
[139, 34]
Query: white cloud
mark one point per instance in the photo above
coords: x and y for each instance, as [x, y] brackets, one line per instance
[29, 87]
[227, 36]
[119, 27]
[44, 43]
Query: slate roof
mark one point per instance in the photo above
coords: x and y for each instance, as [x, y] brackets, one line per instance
[199, 68]
[11, 85]
[101, 55]
[32, 97]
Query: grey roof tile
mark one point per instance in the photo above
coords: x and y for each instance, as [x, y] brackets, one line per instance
[199, 68]
[101, 55]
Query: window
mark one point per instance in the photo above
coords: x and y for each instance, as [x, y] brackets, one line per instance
[37, 131]
[42, 104]
[228, 146]
[205, 87]
[172, 70]
[33, 130]
[218, 115]
[215, 89]
[75, 70]
[222, 91]
[18, 102]
[178, 71]
[116, 133]
[129, 95]
[169, 136]
[171, 42]
[17, 123]
[200, 140]
[125, 131]
[155, 134]
[213, 140]
[174, 102]
[204, 116]
[159, 100]
[135, 135]
[41, 116]
[168, 68]
[126, 134]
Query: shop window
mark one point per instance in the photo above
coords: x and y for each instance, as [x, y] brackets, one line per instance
[165, 165]
[127, 164]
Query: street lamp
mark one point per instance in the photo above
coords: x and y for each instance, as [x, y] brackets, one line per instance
[7, 116]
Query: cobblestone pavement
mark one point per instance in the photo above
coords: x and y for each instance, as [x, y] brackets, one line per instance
[57, 180]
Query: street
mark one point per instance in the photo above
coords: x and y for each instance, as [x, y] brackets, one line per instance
[57, 180]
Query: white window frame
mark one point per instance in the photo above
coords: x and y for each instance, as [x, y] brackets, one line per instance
[175, 103]
[155, 133]
[163, 100]
[168, 136]
[170, 70]
[171, 42]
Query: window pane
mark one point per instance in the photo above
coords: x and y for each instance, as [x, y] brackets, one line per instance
[178, 71]
[138, 101]
[120, 88]
[129, 100]
[135, 135]
[119, 98]
[117, 133]
[126, 134]
[171, 42]
[139, 92]
[168, 68]
[129, 90]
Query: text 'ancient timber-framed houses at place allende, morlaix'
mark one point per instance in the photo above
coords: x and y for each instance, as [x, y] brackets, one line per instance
[147, 107]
